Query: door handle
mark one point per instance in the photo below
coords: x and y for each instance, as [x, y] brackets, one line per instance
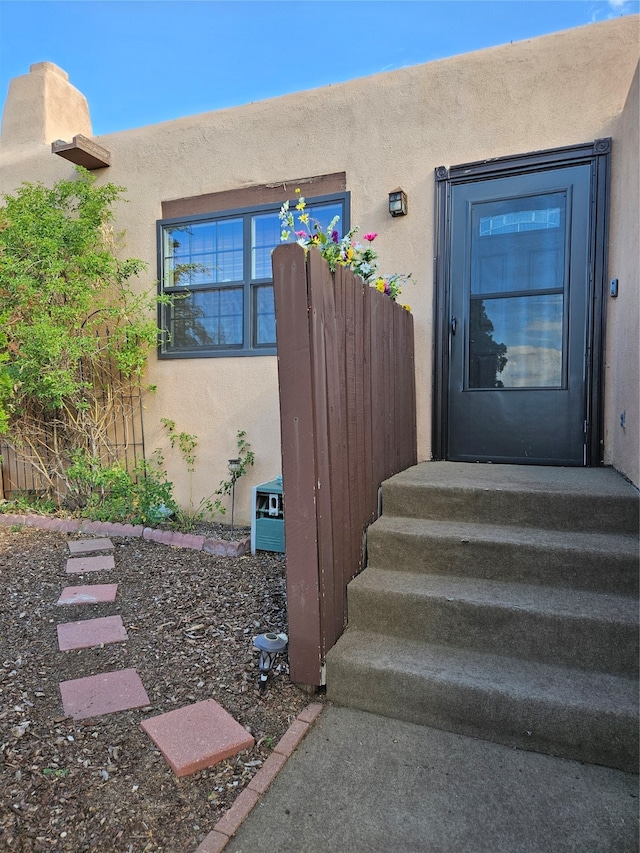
[454, 323]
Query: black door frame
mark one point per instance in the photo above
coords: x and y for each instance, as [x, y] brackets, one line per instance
[598, 155]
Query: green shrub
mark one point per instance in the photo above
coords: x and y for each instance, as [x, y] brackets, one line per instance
[111, 493]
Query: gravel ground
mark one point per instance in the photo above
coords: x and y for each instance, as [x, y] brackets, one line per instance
[101, 784]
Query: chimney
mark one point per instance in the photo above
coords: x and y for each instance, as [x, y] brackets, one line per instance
[41, 107]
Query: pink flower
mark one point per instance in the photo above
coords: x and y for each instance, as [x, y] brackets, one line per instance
[370, 237]
[301, 233]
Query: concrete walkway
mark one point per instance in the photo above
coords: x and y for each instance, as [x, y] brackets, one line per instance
[360, 783]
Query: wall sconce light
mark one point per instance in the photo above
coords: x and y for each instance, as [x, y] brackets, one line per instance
[398, 202]
[269, 645]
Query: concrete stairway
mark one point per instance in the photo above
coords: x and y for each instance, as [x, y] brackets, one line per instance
[501, 602]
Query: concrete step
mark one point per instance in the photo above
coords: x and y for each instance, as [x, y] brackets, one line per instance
[600, 562]
[580, 499]
[587, 716]
[585, 630]
[501, 602]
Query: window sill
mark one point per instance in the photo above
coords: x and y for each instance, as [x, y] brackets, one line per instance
[169, 356]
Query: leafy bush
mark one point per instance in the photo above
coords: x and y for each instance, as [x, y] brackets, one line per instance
[71, 327]
[111, 493]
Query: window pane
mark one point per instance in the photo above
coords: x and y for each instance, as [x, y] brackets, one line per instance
[516, 342]
[203, 252]
[207, 319]
[230, 249]
[266, 229]
[265, 316]
[220, 268]
[265, 236]
[177, 247]
[518, 244]
[324, 213]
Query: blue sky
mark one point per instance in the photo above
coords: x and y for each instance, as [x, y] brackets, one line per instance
[139, 62]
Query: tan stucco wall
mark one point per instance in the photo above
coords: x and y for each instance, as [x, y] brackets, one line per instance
[384, 131]
[622, 409]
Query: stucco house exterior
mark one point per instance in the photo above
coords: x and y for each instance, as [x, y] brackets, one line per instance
[461, 137]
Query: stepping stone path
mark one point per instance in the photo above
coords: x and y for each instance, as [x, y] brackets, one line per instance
[97, 593]
[80, 565]
[90, 633]
[197, 736]
[103, 694]
[89, 546]
[190, 738]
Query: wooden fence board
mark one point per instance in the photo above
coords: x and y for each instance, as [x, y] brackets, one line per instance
[359, 443]
[347, 412]
[298, 467]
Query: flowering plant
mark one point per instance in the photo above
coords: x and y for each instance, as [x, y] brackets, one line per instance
[345, 252]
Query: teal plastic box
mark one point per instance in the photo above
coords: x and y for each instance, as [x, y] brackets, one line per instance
[267, 517]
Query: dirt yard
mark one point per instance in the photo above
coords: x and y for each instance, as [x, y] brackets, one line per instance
[100, 784]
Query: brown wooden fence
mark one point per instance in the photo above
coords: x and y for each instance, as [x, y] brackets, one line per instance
[347, 414]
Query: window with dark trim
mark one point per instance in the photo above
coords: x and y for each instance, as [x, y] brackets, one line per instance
[217, 269]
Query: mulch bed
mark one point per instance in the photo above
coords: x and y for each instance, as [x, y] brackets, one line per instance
[100, 784]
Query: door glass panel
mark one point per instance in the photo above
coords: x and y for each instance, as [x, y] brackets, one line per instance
[516, 342]
[518, 244]
[520, 220]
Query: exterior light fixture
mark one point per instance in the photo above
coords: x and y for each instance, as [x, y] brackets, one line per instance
[269, 645]
[398, 202]
[234, 468]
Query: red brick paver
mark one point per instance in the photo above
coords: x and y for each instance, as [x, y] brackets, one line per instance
[88, 546]
[215, 842]
[60, 525]
[92, 528]
[91, 632]
[174, 538]
[227, 548]
[230, 822]
[197, 736]
[311, 713]
[268, 772]
[291, 738]
[80, 565]
[103, 694]
[96, 593]
[115, 528]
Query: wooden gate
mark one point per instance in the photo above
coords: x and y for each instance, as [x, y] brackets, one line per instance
[348, 422]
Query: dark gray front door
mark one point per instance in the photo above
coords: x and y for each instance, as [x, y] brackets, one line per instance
[518, 331]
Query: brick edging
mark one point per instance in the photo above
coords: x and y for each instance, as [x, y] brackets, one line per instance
[230, 822]
[218, 547]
